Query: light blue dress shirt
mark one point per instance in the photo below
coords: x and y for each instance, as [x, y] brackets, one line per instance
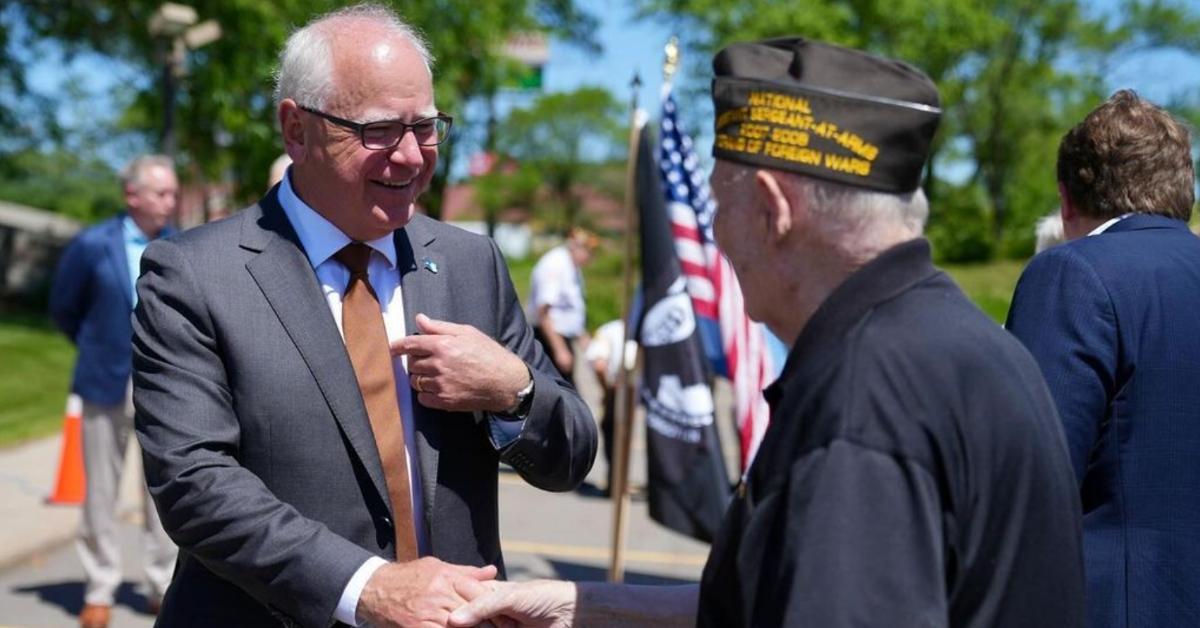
[135, 244]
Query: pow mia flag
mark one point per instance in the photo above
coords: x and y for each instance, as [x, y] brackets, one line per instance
[688, 488]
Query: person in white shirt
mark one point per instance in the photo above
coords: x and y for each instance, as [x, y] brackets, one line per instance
[602, 354]
[556, 307]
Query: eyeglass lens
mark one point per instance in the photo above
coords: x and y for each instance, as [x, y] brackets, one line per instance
[387, 134]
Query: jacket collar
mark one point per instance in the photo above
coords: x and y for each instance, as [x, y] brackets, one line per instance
[1138, 222]
[891, 273]
[285, 275]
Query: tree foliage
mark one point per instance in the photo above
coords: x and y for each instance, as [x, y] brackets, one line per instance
[508, 185]
[73, 184]
[563, 136]
[1013, 75]
[225, 116]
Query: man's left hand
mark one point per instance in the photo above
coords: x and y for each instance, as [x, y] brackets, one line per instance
[459, 368]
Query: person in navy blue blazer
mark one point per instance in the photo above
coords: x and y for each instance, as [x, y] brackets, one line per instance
[91, 302]
[1111, 317]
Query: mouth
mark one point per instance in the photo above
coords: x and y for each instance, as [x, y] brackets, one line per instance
[394, 185]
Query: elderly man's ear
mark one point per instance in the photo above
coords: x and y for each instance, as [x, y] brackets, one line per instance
[775, 199]
[291, 126]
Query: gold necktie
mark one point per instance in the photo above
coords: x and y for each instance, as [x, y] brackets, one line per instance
[367, 344]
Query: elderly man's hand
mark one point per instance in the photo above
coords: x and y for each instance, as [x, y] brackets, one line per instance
[459, 368]
[422, 592]
[536, 604]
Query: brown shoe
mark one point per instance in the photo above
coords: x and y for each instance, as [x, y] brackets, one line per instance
[94, 616]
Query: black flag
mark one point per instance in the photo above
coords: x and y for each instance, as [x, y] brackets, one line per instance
[688, 487]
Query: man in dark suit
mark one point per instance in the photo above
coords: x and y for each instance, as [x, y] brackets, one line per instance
[1110, 317]
[91, 303]
[309, 476]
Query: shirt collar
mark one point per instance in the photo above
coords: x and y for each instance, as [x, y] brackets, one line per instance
[1108, 223]
[893, 272]
[320, 238]
[133, 233]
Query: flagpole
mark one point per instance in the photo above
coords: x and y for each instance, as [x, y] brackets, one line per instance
[624, 415]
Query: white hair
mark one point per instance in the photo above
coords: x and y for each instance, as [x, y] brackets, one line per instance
[305, 71]
[859, 213]
[1049, 231]
[135, 170]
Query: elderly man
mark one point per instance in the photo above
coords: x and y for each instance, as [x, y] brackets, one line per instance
[1110, 318]
[309, 475]
[91, 303]
[914, 473]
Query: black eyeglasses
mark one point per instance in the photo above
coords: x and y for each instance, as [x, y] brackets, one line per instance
[386, 134]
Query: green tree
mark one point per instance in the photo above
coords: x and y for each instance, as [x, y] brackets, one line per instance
[507, 185]
[1013, 74]
[563, 136]
[74, 184]
[225, 117]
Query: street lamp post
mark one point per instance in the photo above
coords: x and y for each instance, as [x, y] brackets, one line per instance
[175, 26]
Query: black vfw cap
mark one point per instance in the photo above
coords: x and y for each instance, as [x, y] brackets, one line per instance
[825, 111]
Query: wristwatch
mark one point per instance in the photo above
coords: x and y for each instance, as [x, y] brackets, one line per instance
[524, 399]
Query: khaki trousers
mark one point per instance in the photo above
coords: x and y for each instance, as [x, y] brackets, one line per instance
[106, 431]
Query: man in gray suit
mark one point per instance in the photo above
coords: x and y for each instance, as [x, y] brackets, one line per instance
[304, 486]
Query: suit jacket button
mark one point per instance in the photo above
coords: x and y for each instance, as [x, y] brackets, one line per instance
[385, 520]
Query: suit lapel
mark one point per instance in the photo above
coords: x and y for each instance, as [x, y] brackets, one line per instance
[117, 258]
[288, 282]
[423, 293]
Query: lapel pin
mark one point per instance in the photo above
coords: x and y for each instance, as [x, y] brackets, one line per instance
[429, 264]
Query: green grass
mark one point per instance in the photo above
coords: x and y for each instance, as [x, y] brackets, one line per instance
[35, 374]
[989, 285]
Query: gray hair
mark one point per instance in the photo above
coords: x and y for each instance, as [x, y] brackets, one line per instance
[856, 210]
[132, 173]
[1049, 231]
[305, 71]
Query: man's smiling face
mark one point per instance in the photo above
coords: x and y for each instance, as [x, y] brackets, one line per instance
[369, 193]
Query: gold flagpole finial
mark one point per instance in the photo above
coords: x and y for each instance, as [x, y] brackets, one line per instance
[671, 62]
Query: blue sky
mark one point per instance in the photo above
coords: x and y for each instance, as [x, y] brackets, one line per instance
[631, 45]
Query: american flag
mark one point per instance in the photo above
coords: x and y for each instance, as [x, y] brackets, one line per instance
[716, 295]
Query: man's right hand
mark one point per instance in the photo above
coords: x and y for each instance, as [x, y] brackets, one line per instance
[422, 592]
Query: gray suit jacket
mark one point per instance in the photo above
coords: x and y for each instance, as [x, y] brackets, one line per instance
[258, 450]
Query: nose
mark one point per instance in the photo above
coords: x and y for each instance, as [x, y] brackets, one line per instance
[407, 152]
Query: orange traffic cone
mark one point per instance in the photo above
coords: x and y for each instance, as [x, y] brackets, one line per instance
[71, 485]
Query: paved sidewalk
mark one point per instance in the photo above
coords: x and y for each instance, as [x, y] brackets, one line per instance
[28, 525]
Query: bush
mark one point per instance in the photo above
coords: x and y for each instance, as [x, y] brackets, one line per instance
[960, 226]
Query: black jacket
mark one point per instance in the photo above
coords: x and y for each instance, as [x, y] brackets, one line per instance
[914, 473]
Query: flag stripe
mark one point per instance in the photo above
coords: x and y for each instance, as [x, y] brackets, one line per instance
[711, 282]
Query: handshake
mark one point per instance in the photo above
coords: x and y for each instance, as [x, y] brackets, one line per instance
[429, 592]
